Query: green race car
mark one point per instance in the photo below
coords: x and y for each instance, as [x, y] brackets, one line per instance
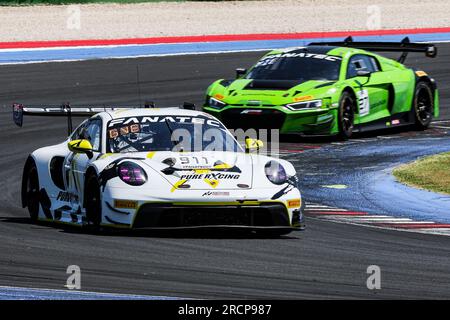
[333, 88]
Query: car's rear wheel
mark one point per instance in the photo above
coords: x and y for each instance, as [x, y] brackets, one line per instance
[423, 105]
[32, 191]
[93, 202]
[346, 116]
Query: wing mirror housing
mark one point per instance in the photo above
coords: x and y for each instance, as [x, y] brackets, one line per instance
[240, 72]
[253, 144]
[363, 73]
[81, 146]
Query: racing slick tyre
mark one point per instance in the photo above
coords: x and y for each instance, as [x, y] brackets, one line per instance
[346, 115]
[423, 105]
[32, 190]
[93, 202]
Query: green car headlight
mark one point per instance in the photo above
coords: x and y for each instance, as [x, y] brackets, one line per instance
[313, 104]
[216, 104]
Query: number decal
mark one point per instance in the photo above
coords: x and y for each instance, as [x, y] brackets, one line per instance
[195, 160]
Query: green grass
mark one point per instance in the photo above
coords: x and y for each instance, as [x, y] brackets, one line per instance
[429, 173]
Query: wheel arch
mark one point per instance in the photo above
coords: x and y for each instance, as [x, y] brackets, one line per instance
[90, 171]
[427, 79]
[352, 92]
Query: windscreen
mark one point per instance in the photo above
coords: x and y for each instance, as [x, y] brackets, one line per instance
[296, 66]
[169, 133]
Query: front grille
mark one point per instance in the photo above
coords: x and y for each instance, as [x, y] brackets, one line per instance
[266, 119]
[171, 216]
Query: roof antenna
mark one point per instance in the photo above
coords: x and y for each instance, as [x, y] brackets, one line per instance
[138, 82]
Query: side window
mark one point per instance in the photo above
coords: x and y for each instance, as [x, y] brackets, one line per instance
[375, 64]
[92, 132]
[361, 62]
[78, 131]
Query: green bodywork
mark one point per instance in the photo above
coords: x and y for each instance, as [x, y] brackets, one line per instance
[390, 91]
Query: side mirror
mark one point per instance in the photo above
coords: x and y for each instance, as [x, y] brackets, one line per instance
[240, 72]
[363, 73]
[253, 144]
[188, 106]
[80, 146]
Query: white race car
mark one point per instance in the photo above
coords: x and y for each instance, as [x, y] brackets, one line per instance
[157, 168]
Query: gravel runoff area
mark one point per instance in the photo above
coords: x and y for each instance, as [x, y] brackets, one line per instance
[107, 21]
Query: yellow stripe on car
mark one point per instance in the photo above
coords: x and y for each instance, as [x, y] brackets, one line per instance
[177, 185]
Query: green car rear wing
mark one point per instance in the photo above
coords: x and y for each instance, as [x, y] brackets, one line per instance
[405, 46]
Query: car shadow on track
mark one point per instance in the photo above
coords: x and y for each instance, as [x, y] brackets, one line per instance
[175, 234]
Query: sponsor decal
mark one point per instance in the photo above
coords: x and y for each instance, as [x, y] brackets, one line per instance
[153, 119]
[216, 193]
[271, 59]
[67, 197]
[377, 104]
[125, 204]
[251, 111]
[304, 98]
[211, 176]
[295, 203]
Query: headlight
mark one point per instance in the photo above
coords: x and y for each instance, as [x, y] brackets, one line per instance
[216, 104]
[275, 172]
[131, 173]
[313, 104]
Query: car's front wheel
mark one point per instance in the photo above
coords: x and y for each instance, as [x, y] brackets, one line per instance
[423, 105]
[346, 115]
[92, 198]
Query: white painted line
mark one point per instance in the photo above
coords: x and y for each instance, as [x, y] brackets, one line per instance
[133, 57]
[382, 217]
[318, 206]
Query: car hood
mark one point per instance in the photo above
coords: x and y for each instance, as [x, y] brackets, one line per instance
[199, 170]
[272, 92]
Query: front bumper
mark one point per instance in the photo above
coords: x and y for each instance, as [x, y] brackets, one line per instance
[264, 215]
[309, 122]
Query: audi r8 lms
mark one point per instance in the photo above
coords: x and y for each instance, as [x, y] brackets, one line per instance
[334, 88]
[157, 168]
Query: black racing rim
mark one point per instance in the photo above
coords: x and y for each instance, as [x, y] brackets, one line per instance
[33, 193]
[93, 203]
[424, 105]
[347, 116]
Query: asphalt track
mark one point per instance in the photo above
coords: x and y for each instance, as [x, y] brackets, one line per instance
[328, 260]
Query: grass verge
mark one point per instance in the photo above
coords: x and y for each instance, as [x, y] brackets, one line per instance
[430, 173]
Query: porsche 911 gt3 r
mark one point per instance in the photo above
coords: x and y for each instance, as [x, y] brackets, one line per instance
[157, 168]
[334, 88]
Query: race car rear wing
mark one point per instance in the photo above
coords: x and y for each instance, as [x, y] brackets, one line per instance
[404, 46]
[66, 110]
